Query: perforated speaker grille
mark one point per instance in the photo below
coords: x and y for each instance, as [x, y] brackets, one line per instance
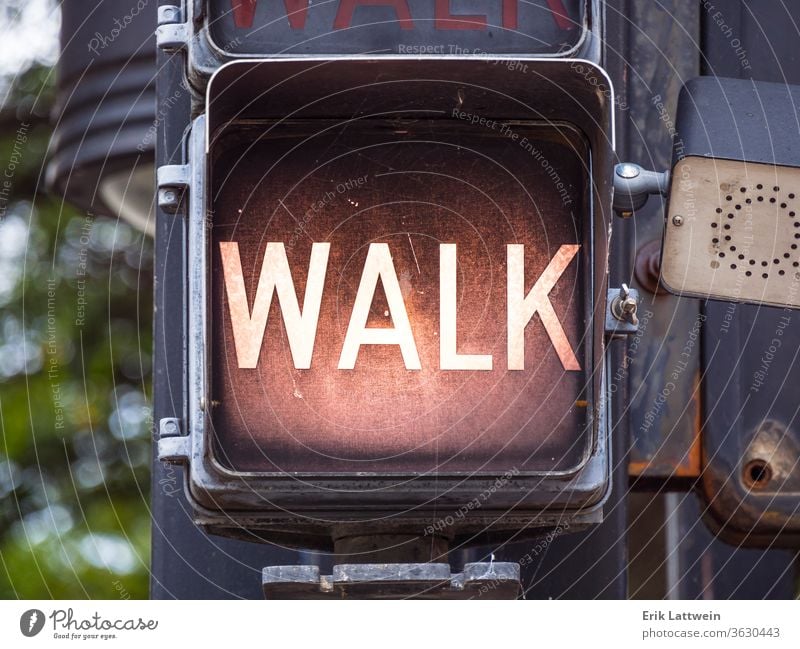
[733, 232]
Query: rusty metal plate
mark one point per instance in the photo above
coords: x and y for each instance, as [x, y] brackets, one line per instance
[433, 27]
[404, 235]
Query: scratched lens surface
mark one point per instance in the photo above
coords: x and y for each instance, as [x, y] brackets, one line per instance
[263, 27]
[412, 187]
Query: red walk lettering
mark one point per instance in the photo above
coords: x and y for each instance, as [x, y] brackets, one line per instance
[244, 12]
[297, 11]
[445, 20]
[344, 17]
[510, 14]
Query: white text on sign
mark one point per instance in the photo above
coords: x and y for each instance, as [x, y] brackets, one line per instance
[249, 325]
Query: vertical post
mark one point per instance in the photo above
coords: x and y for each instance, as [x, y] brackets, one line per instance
[186, 562]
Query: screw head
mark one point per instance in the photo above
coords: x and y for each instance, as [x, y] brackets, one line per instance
[677, 220]
[627, 170]
[168, 199]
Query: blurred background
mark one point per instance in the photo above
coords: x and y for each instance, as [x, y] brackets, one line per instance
[75, 355]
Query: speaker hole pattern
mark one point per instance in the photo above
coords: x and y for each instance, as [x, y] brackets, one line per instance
[733, 210]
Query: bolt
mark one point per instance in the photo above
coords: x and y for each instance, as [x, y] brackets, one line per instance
[624, 306]
[170, 13]
[170, 428]
[677, 220]
[628, 170]
[168, 199]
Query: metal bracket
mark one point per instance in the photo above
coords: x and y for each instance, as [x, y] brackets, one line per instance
[174, 449]
[170, 427]
[174, 445]
[634, 185]
[172, 33]
[621, 306]
[487, 580]
[172, 182]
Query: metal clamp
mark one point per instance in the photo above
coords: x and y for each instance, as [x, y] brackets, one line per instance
[173, 443]
[174, 449]
[172, 181]
[170, 427]
[172, 33]
[634, 185]
[621, 318]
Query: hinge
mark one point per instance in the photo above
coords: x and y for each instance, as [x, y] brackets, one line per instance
[172, 33]
[173, 443]
[172, 182]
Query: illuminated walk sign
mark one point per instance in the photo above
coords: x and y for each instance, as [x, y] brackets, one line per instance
[249, 325]
[397, 293]
[432, 316]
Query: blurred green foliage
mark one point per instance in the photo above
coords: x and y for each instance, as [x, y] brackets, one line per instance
[75, 364]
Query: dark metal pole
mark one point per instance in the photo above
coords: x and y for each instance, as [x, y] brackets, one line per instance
[187, 563]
